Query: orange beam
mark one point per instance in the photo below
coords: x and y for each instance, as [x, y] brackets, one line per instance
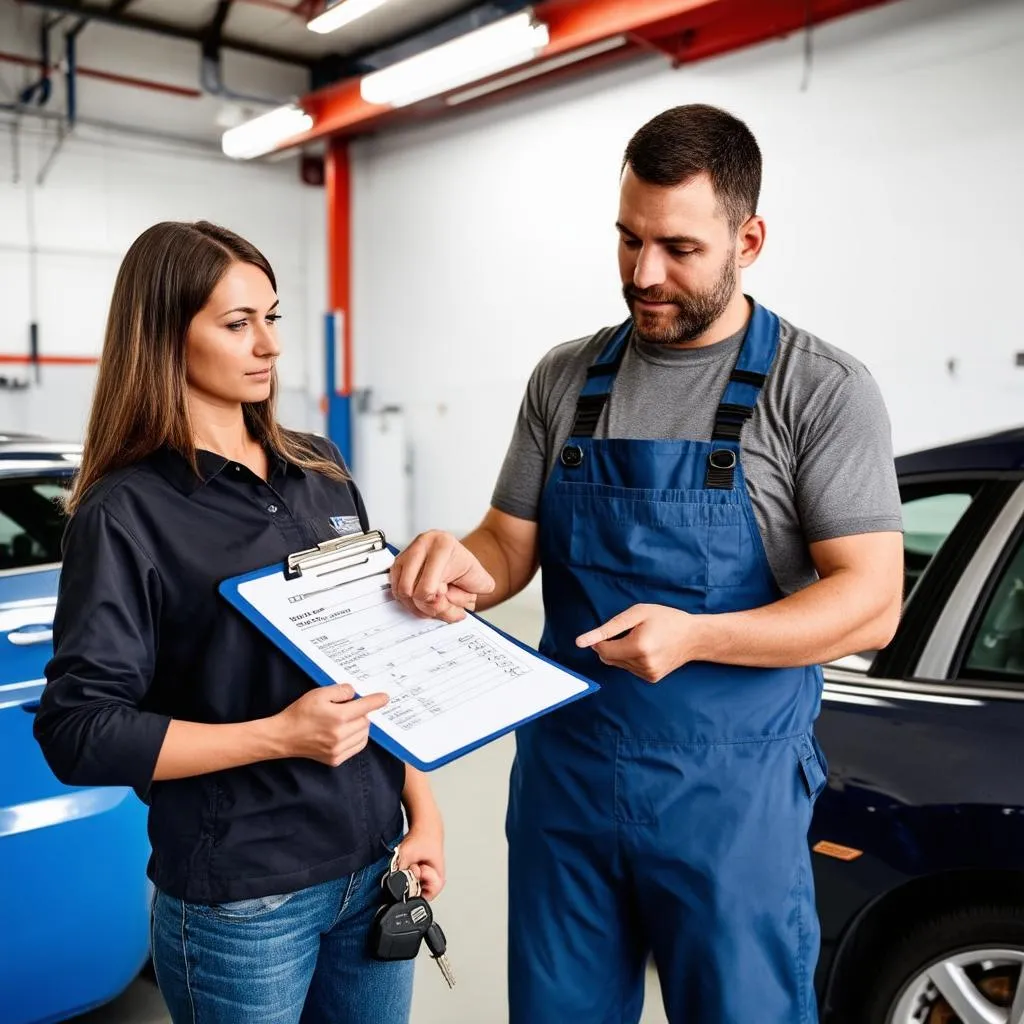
[573, 24]
[338, 185]
[685, 30]
[340, 108]
[735, 24]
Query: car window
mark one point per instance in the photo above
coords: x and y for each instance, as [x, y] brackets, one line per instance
[928, 519]
[31, 522]
[997, 650]
[930, 512]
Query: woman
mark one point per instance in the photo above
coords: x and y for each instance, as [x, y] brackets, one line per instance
[271, 819]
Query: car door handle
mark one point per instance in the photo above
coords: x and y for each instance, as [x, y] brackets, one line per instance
[32, 635]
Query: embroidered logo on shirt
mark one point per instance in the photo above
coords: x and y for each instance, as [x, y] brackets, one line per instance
[345, 524]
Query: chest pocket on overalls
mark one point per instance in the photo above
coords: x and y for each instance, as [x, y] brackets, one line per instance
[693, 539]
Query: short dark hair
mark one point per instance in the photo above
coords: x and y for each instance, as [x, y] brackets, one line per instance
[683, 142]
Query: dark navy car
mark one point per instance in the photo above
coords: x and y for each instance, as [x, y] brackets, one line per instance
[74, 899]
[919, 836]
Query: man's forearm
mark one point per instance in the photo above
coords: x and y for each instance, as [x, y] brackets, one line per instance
[487, 548]
[834, 617]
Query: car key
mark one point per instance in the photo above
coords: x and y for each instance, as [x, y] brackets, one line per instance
[398, 929]
[438, 946]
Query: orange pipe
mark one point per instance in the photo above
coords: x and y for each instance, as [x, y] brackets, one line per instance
[50, 360]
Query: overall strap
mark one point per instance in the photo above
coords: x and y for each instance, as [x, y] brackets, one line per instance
[753, 365]
[600, 380]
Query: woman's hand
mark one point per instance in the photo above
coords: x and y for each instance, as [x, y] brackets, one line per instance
[422, 852]
[328, 724]
[422, 849]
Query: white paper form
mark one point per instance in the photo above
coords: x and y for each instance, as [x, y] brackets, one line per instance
[450, 685]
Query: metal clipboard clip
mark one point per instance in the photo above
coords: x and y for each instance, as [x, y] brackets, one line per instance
[334, 555]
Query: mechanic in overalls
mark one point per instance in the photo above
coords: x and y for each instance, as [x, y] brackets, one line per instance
[710, 494]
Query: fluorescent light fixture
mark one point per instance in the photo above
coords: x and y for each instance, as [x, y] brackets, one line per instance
[262, 134]
[470, 57]
[341, 14]
[561, 61]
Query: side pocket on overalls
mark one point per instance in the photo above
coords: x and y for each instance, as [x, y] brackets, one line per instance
[813, 768]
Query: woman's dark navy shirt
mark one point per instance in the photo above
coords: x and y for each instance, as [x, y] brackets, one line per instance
[141, 636]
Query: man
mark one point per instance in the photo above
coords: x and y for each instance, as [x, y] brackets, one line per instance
[710, 494]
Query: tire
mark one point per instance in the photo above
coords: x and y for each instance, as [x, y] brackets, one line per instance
[972, 953]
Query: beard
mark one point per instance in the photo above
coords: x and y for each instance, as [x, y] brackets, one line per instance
[695, 312]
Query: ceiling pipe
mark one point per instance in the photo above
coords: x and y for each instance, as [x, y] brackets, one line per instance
[211, 72]
[108, 76]
[111, 16]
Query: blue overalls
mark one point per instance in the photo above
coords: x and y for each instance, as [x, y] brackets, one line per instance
[671, 818]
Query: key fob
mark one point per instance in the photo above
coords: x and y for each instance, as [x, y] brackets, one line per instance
[397, 885]
[398, 930]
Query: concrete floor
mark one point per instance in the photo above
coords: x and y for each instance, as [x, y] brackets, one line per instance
[471, 793]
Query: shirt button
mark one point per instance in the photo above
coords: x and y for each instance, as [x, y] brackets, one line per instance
[271, 509]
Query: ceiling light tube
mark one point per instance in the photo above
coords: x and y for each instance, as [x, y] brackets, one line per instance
[341, 14]
[263, 134]
[561, 61]
[475, 55]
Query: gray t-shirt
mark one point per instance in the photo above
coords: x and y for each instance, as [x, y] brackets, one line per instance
[817, 452]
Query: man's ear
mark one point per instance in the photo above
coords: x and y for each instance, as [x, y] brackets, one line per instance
[750, 240]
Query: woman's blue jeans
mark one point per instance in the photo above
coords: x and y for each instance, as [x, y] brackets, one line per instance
[297, 958]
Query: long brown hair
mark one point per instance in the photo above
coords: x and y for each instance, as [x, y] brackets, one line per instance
[141, 397]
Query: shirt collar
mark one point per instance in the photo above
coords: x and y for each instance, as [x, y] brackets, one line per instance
[175, 468]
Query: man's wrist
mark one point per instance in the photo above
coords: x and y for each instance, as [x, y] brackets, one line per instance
[707, 637]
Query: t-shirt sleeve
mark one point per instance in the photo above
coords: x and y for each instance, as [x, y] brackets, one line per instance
[524, 471]
[845, 476]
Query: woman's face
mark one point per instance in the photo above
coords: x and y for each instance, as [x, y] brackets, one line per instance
[232, 345]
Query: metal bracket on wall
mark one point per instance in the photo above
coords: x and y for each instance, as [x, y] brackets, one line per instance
[15, 153]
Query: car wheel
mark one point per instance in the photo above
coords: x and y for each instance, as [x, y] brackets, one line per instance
[959, 967]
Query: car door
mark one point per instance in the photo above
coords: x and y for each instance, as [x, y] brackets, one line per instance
[922, 752]
[72, 860]
[900, 729]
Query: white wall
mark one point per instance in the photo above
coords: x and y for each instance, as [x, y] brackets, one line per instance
[891, 194]
[61, 241]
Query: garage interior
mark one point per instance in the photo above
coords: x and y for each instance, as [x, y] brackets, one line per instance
[431, 246]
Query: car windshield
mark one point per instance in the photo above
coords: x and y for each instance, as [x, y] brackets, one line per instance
[31, 521]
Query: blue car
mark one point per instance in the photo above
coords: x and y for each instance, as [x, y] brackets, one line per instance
[74, 898]
[919, 836]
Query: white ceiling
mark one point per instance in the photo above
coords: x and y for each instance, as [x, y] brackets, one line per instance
[281, 24]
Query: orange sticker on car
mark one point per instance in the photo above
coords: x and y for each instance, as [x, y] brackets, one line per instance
[837, 851]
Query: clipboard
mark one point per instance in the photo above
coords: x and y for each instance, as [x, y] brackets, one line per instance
[355, 560]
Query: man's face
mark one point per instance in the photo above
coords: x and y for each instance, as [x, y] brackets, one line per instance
[677, 258]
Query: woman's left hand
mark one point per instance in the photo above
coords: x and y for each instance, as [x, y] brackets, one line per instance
[422, 851]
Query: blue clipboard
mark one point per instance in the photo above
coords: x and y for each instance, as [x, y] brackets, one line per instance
[229, 590]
